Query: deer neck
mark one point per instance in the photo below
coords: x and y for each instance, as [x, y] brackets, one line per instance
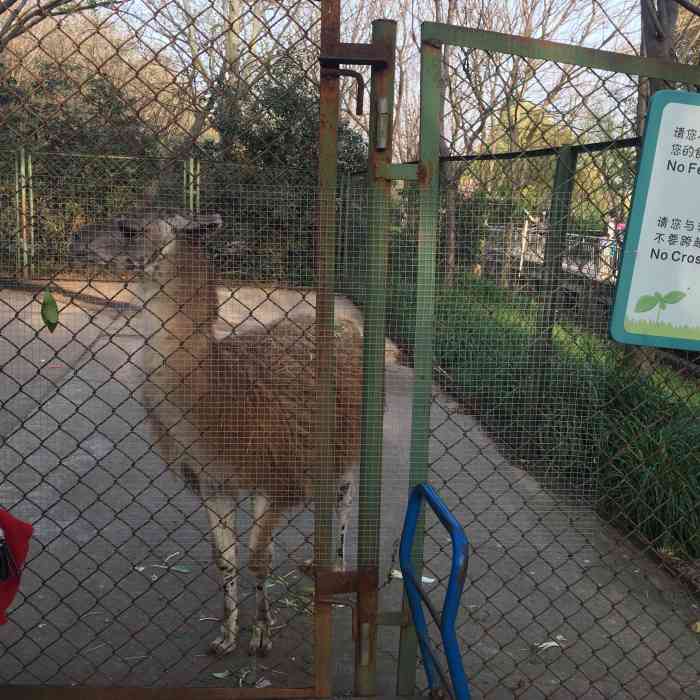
[184, 302]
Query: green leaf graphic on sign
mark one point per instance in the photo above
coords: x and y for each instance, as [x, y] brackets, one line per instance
[674, 297]
[49, 311]
[645, 303]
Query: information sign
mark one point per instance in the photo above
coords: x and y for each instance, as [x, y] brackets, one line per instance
[657, 301]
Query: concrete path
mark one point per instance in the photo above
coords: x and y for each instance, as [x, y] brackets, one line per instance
[120, 589]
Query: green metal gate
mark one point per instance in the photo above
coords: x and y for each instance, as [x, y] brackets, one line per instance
[523, 411]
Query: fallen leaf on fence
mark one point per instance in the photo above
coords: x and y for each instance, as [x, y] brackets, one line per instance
[49, 311]
[547, 645]
[695, 627]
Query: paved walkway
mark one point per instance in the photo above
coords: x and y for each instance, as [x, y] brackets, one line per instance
[120, 588]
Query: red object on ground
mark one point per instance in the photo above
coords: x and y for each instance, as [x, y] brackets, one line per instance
[16, 534]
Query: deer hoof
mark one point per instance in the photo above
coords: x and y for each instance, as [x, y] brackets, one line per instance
[224, 644]
[260, 639]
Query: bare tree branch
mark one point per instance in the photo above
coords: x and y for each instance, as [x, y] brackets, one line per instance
[687, 5]
[16, 20]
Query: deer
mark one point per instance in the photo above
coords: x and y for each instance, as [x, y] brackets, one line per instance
[237, 412]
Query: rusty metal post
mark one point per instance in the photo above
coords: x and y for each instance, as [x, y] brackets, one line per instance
[379, 205]
[324, 489]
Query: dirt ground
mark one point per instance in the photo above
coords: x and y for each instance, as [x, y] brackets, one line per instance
[120, 588]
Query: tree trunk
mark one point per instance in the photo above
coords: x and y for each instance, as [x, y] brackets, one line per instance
[659, 18]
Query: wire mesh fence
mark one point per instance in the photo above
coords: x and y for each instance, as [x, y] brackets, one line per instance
[571, 462]
[165, 347]
[568, 459]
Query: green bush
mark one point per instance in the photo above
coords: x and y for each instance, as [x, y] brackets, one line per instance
[568, 406]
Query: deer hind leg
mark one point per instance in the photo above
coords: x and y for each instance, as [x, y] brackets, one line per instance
[261, 546]
[222, 518]
[345, 495]
[343, 508]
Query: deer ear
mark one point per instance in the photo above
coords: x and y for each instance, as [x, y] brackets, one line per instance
[203, 225]
[128, 227]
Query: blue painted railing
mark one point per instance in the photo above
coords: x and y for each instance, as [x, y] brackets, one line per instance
[437, 678]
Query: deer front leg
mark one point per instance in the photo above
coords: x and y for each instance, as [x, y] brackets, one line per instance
[222, 518]
[261, 546]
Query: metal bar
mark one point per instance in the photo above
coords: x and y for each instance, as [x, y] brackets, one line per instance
[360, 81]
[31, 220]
[23, 232]
[197, 183]
[184, 184]
[21, 692]
[436, 33]
[370, 492]
[428, 182]
[355, 54]
[330, 24]
[555, 243]
[325, 319]
[398, 171]
[324, 488]
[323, 659]
[190, 183]
[612, 145]
[18, 217]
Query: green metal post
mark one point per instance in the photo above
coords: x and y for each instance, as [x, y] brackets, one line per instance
[190, 183]
[184, 184]
[197, 183]
[555, 244]
[370, 492]
[23, 226]
[428, 182]
[30, 212]
[18, 217]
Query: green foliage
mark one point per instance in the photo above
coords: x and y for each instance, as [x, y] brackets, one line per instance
[65, 108]
[49, 311]
[548, 405]
[650, 480]
[272, 132]
[262, 174]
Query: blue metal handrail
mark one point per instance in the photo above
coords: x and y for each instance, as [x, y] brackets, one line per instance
[416, 595]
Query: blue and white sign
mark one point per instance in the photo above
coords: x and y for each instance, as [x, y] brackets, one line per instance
[657, 301]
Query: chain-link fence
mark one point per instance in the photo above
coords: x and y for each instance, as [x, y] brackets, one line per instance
[132, 134]
[570, 460]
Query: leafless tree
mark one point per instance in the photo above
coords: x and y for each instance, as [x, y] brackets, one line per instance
[17, 17]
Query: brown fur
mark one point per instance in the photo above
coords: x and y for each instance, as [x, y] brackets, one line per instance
[241, 413]
[252, 398]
